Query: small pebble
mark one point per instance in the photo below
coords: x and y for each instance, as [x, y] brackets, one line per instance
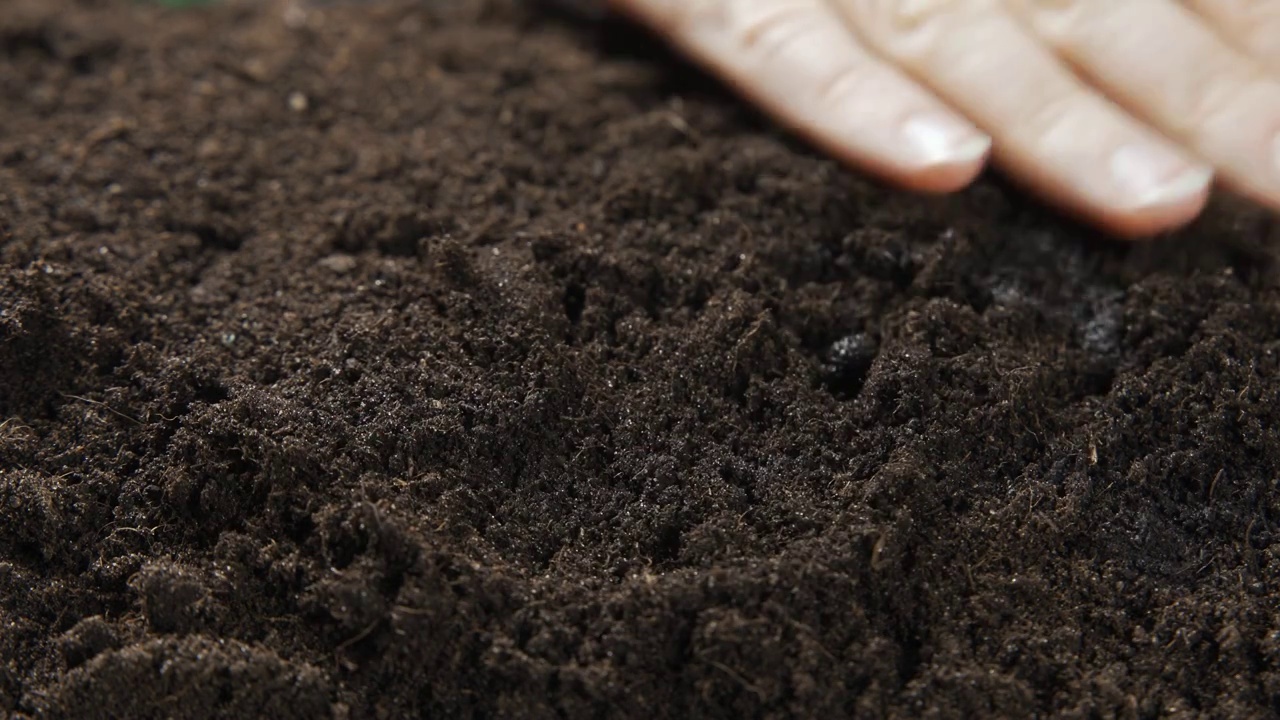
[847, 362]
[339, 263]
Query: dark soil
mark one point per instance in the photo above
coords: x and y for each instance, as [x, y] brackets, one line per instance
[461, 359]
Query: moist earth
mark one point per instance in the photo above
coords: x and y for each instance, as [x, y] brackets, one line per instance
[468, 359]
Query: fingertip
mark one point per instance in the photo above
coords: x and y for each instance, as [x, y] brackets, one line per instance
[1165, 208]
[1122, 216]
[941, 152]
[1148, 223]
[953, 171]
[921, 157]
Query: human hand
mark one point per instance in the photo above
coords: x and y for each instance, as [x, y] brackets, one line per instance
[1120, 111]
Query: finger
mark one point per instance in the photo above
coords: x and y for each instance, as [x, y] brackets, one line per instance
[1050, 130]
[1252, 26]
[1166, 66]
[798, 61]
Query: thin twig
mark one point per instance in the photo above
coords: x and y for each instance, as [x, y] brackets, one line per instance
[109, 409]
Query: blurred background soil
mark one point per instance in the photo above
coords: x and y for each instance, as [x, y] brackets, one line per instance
[464, 358]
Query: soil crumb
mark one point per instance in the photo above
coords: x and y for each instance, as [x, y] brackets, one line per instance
[464, 359]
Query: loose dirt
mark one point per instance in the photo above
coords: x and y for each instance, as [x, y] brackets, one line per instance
[464, 359]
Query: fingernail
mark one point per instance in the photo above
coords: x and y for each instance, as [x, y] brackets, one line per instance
[942, 140]
[1151, 176]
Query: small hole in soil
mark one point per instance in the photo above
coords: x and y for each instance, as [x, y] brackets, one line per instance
[910, 660]
[215, 235]
[211, 392]
[667, 545]
[298, 526]
[1097, 381]
[82, 64]
[575, 301]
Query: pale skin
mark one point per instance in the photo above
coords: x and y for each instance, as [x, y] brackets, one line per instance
[1122, 112]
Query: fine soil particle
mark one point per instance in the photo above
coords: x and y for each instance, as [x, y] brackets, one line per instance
[468, 359]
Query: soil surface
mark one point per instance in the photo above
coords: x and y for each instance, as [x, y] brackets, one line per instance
[464, 359]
